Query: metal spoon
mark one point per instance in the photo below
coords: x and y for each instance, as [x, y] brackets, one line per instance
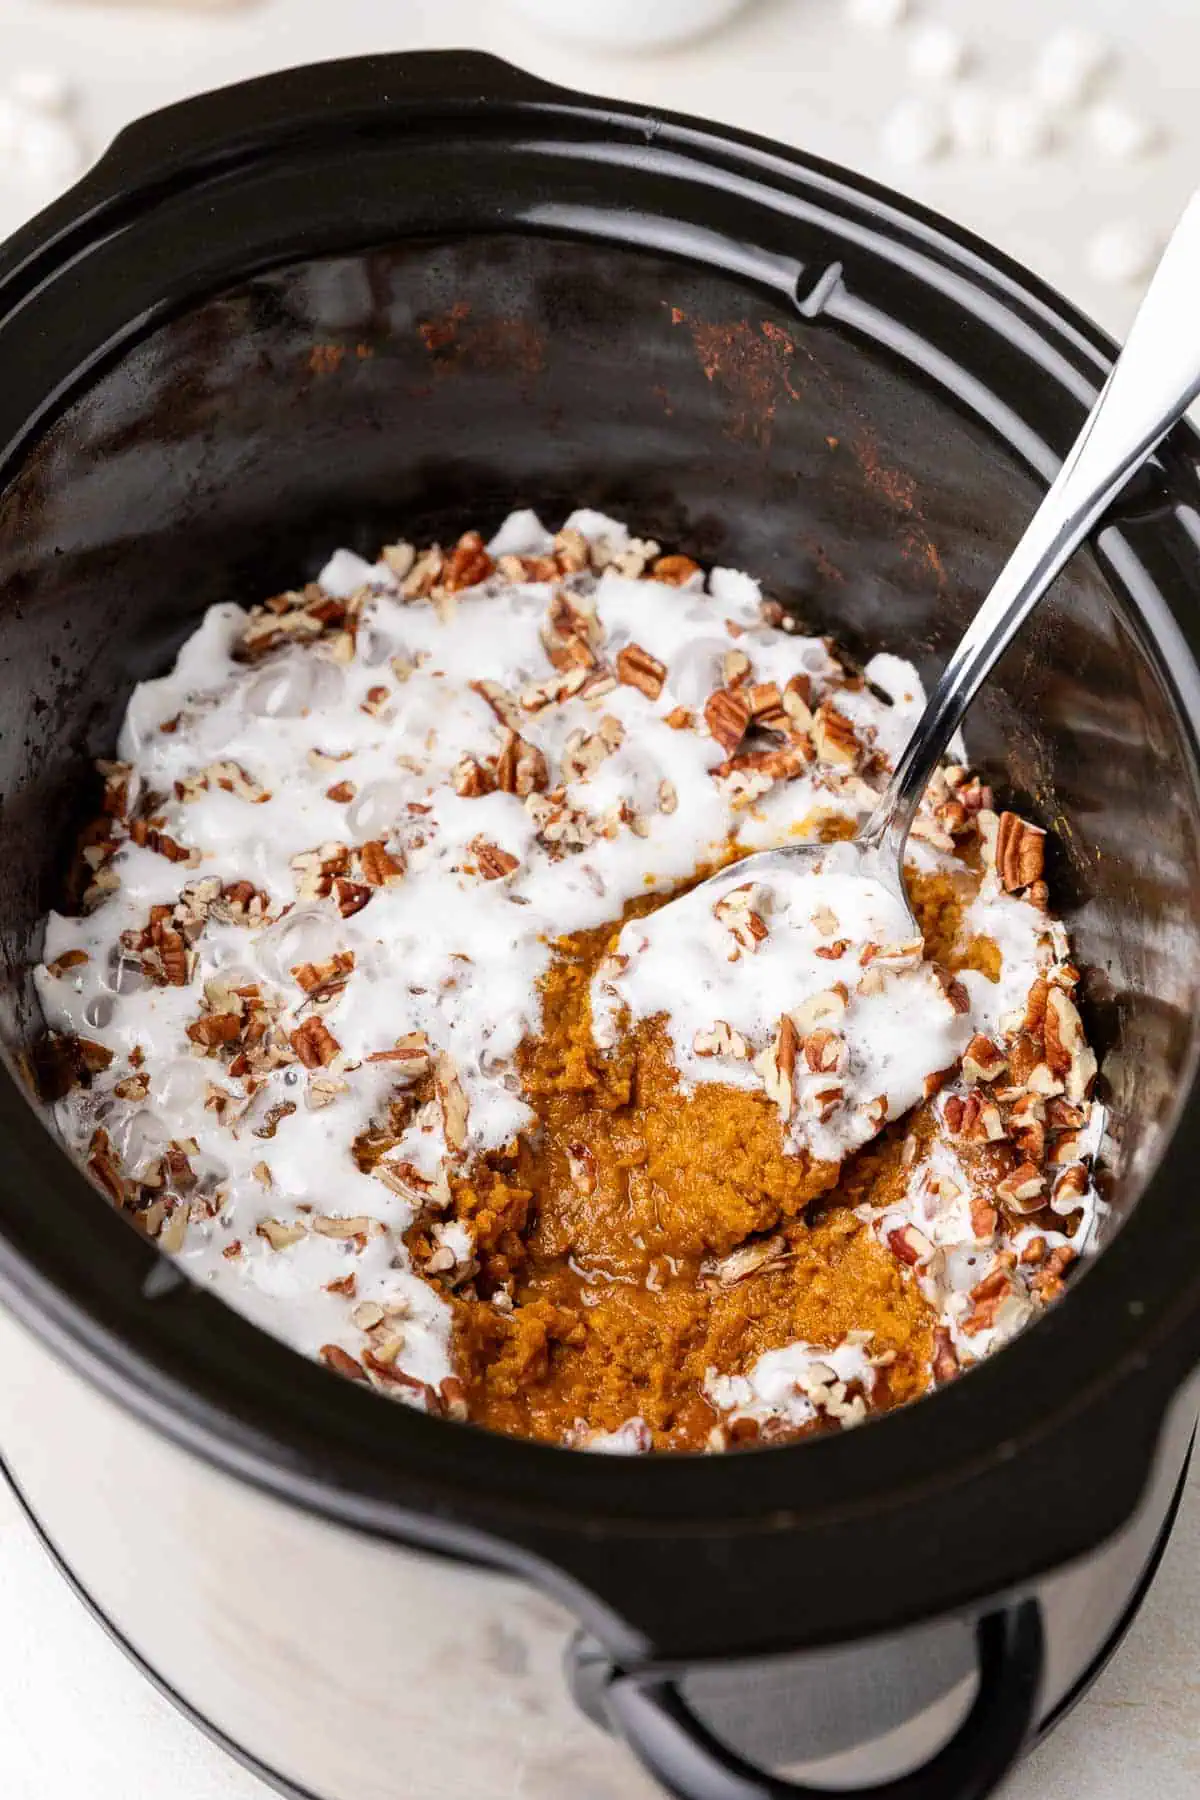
[1153, 382]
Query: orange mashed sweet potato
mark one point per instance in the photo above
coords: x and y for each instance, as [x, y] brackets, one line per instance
[611, 1228]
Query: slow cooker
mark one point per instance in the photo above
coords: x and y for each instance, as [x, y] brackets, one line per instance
[412, 293]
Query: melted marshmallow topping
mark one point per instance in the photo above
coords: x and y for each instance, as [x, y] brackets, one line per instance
[363, 849]
[869, 1019]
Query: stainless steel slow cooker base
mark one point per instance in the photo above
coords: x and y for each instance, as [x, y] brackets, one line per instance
[345, 1668]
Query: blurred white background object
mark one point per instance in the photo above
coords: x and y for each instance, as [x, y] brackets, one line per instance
[1072, 141]
[626, 25]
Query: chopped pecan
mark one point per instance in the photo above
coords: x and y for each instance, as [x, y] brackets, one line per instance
[984, 1219]
[1020, 852]
[324, 977]
[314, 1044]
[149, 837]
[342, 1363]
[795, 700]
[826, 1007]
[215, 1028]
[825, 1051]
[342, 792]
[1048, 1283]
[472, 778]
[283, 1109]
[468, 565]
[1070, 1188]
[674, 570]
[638, 669]
[70, 959]
[351, 896]
[908, 1245]
[945, 1357]
[721, 1040]
[279, 1233]
[1023, 1191]
[777, 1064]
[492, 862]
[1062, 1030]
[453, 1102]
[521, 767]
[411, 1054]
[572, 552]
[736, 910]
[748, 1259]
[583, 751]
[983, 1060]
[377, 865]
[572, 632]
[735, 669]
[766, 707]
[424, 574]
[553, 692]
[1060, 1115]
[504, 705]
[727, 715]
[834, 736]
[955, 992]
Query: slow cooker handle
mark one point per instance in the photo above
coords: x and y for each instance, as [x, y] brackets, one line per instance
[645, 1706]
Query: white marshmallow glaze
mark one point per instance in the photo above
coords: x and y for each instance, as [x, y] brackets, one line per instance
[449, 954]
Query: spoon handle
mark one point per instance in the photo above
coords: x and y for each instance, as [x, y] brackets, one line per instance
[1153, 382]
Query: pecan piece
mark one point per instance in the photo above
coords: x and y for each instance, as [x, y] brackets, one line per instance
[520, 767]
[834, 736]
[945, 1356]
[214, 1029]
[825, 1051]
[472, 778]
[492, 862]
[342, 1363]
[721, 1040]
[736, 911]
[727, 715]
[351, 896]
[674, 570]
[377, 866]
[908, 1245]
[1023, 1191]
[410, 1053]
[468, 565]
[637, 668]
[504, 705]
[983, 1060]
[314, 1044]
[777, 1065]
[452, 1100]
[1020, 852]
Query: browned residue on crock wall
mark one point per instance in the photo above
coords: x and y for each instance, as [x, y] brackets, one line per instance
[327, 359]
[900, 490]
[455, 339]
[752, 364]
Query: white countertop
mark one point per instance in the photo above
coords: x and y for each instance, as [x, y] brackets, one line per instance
[74, 1716]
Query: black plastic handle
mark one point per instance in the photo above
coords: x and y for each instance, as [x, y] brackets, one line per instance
[645, 1706]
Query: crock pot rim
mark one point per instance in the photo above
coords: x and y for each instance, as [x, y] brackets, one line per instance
[269, 1417]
